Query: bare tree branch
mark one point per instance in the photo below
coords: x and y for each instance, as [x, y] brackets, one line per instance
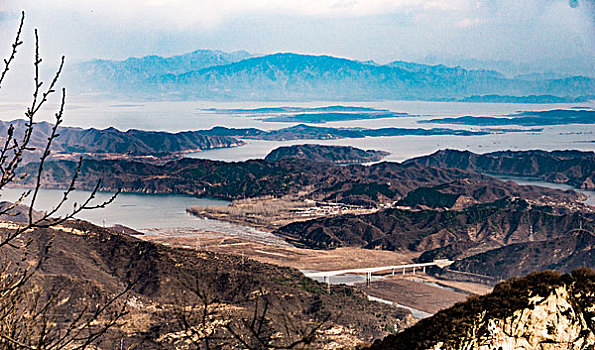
[28, 316]
[15, 45]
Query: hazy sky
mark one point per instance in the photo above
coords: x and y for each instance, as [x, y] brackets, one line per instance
[524, 30]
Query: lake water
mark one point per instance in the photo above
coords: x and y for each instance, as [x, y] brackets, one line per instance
[176, 116]
[146, 211]
[143, 212]
[537, 182]
[184, 115]
[155, 214]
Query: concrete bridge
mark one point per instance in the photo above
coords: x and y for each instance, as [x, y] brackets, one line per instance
[326, 275]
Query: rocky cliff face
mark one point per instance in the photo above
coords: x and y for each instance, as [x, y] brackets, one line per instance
[550, 322]
[545, 311]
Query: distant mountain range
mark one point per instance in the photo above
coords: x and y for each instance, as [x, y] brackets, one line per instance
[537, 69]
[206, 74]
[111, 75]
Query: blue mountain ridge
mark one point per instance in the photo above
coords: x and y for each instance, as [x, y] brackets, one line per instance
[206, 74]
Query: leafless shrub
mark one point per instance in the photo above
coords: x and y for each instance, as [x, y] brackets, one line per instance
[204, 321]
[30, 317]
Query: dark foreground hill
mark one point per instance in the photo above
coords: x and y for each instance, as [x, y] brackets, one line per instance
[575, 168]
[566, 253]
[544, 310]
[88, 264]
[333, 154]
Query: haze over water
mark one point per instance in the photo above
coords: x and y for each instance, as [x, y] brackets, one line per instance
[190, 115]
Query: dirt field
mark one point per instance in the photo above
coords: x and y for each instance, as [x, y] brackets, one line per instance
[420, 291]
[268, 213]
[284, 255]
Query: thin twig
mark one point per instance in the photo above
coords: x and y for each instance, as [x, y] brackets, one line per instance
[15, 45]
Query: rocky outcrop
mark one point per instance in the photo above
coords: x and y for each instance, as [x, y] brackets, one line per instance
[545, 311]
[549, 322]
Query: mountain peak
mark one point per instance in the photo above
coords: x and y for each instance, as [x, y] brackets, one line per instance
[213, 74]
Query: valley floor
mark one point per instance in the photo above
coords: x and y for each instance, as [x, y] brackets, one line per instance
[423, 292]
[278, 253]
[420, 291]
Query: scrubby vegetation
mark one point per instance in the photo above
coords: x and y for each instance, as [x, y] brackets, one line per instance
[452, 326]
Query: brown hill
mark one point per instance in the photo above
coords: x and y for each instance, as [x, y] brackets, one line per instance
[321, 153]
[575, 168]
[17, 213]
[463, 193]
[88, 264]
[385, 181]
[562, 254]
[456, 233]
[113, 143]
[353, 184]
[498, 240]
